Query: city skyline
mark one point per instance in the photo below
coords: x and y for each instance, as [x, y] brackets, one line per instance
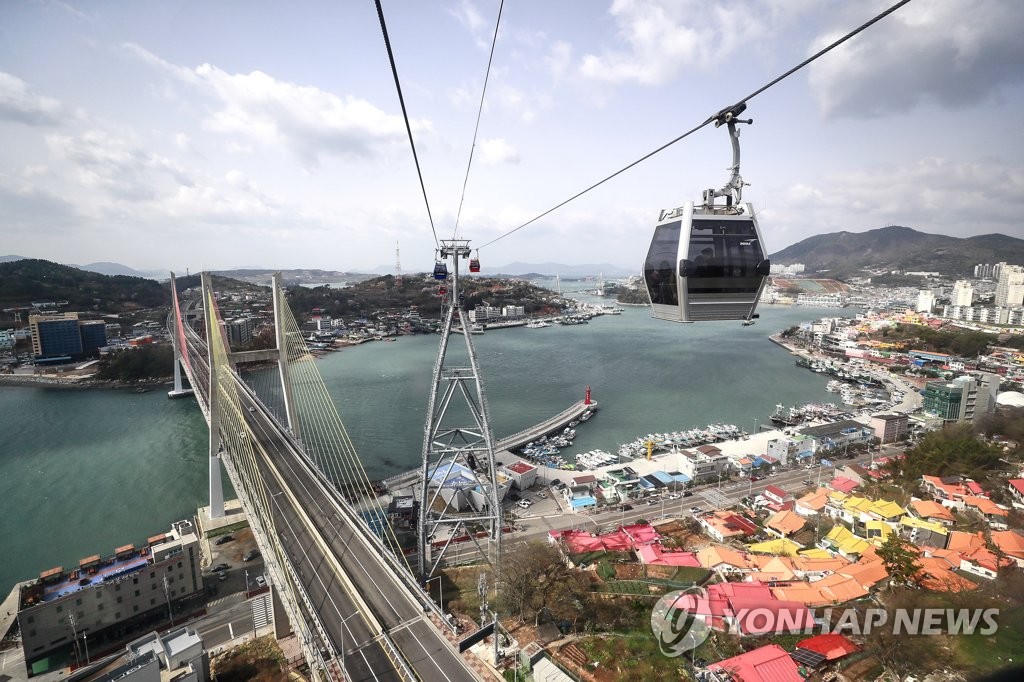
[199, 136]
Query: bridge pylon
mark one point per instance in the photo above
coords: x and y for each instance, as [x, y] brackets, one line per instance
[460, 488]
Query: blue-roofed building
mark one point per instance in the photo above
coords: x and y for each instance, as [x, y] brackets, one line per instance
[460, 488]
[581, 503]
[663, 477]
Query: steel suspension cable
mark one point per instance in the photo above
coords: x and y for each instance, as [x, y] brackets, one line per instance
[405, 115]
[479, 113]
[712, 118]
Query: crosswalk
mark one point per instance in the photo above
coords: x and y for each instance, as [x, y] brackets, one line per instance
[260, 610]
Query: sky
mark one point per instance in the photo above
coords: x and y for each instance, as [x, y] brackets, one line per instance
[213, 135]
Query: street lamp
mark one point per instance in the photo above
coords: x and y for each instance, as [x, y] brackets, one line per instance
[85, 638]
[343, 621]
[440, 591]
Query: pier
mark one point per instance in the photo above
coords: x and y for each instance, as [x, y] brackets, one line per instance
[503, 448]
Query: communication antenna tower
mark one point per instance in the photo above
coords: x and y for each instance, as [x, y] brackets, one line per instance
[398, 266]
[460, 495]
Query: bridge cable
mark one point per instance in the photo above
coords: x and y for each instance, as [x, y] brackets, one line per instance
[480, 111]
[405, 115]
[710, 119]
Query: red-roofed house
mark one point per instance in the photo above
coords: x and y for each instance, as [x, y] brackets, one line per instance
[1017, 489]
[831, 646]
[656, 555]
[776, 495]
[523, 474]
[842, 484]
[951, 489]
[770, 663]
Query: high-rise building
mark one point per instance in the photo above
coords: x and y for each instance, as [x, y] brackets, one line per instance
[64, 335]
[240, 330]
[963, 399]
[963, 293]
[1010, 287]
[55, 336]
[925, 301]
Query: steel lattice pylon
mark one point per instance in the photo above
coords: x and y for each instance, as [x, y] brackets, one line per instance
[460, 490]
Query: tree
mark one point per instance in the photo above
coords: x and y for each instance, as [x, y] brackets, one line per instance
[899, 559]
[537, 580]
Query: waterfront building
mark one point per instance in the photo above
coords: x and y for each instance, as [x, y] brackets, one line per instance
[702, 466]
[63, 335]
[55, 336]
[483, 313]
[963, 399]
[890, 428]
[963, 293]
[513, 312]
[839, 434]
[109, 598]
[6, 339]
[522, 474]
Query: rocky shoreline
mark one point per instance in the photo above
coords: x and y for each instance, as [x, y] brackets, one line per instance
[26, 381]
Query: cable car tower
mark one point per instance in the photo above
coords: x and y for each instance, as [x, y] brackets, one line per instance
[460, 494]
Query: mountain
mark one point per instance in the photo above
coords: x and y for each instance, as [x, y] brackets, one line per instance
[33, 280]
[552, 269]
[106, 268]
[842, 254]
[8, 259]
[292, 277]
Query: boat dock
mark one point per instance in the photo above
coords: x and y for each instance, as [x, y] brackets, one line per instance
[503, 447]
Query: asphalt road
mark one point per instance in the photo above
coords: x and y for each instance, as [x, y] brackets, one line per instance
[353, 590]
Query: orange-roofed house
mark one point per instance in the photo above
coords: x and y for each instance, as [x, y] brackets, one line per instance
[839, 589]
[937, 574]
[959, 541]
[722, 559]
[994, 515]
[725, 524]
[817, 568]
[867, 573]
[983, 562]
[812, 503]
[1010, 543]
[930, 510]
[785, 523]
[770, 663]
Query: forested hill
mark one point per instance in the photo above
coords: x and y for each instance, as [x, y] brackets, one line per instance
[30, 280]
[842, 254]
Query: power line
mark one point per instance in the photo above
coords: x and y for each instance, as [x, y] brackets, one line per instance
[405, 115]
[479, 112]
[712, 118]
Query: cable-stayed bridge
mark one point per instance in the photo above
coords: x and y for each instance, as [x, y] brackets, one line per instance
[335, 565]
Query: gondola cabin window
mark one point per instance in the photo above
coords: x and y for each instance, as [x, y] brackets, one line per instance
[660, 266]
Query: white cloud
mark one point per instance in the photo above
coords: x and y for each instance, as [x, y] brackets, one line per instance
[664, 36]
[497, 151]
[559, 58]
[115, 164]
[304, 119]
[951, 54]
[19, 104]
[934, 195]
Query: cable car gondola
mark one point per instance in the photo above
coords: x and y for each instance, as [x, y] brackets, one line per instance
[707, 261]
[474, 263]
[440, 270]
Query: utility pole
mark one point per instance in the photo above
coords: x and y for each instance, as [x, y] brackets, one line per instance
[167, 593]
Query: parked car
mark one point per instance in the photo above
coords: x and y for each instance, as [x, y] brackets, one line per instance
[688, 493]
[251, 554]
[222, 576]
[219, 567]
[261, 581]
[625, 507]
[224, 538]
